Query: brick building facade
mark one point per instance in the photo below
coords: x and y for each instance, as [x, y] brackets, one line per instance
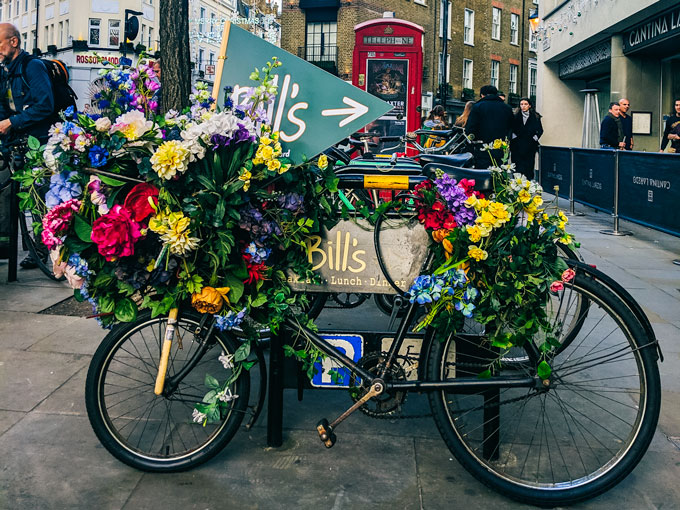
[489, 41]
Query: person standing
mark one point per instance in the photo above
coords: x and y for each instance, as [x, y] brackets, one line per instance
[463, 117]
[526, 130]
[626, 123]
[611, 130]
[490, 119]
[672, 132]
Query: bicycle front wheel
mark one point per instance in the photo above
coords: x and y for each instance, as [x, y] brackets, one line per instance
[572, 439]
[152, 432]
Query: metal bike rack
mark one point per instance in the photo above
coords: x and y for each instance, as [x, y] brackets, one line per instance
[615, 231]
[572, 211]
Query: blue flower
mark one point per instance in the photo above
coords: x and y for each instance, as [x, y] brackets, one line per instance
[80, 265]
[229, 321]
[69, 112]
[62, 189]
[257, 254]
[98, 156]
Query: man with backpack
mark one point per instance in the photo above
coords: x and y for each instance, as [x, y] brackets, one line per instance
[26, 97]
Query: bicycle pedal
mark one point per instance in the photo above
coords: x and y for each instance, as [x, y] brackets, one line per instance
[326, 434]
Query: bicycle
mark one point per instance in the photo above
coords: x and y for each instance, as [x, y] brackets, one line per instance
[549, 440]
[12, 159]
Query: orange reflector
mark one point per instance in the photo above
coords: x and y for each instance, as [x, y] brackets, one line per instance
[386, 182]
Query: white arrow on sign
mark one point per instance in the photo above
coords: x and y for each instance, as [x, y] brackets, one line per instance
[354, 111]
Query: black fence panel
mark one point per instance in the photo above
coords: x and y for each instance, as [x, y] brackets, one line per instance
[556, 169]
[594, 178]
[649, 189]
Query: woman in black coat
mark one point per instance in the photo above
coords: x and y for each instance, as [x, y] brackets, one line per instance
[526, 130]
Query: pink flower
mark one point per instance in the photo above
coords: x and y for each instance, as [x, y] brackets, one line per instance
[58, 265]
[115, 233]
[74, 281]
[96, 196]
[556, 286]
[57, 221]
[568, 275]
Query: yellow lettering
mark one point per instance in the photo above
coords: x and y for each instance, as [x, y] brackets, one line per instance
[373, 282]
[345, 252]
[314, 248]
[355, 258]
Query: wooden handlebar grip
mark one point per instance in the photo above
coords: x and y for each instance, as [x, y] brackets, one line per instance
[165, 352]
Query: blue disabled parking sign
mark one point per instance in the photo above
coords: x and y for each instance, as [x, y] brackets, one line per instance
[329, 373]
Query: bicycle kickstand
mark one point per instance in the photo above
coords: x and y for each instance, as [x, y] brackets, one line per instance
[325, 429]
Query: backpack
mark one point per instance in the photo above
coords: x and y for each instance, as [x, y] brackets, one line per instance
[64, 96]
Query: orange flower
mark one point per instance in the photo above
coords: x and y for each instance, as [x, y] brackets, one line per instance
[448, 247]
[209, 300]
[440, 235]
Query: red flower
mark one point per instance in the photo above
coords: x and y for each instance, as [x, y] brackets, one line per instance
[468, 185]
[137, 201]
[256, 272]
[115, 233]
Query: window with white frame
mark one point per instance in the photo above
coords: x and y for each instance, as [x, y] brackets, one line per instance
[200, 59]
[67, 33]
[95, 24]
[322, 40]
[47, 35]
[496, 23]
[442, 6]
[150, 37]
[513, 78]
[533, 42]
[114, 32]
[34, 34]
[532, 78]
[61, 34]
[143, 33]
[514, 28]
[52, 34]
[469, 27]
[23, 39]
[441, 67]
[201, 21]
[467, 73]
[495, 66]
[25, 5]
[16, 8]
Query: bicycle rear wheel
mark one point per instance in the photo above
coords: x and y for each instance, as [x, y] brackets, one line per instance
[156, 433]
[568, 441]
[34, 244]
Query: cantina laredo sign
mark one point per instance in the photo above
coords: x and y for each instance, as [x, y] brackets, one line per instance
[662, 27]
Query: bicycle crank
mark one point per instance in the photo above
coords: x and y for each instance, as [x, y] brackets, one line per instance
[325, 429]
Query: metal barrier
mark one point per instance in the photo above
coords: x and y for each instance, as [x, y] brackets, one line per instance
[642, 187]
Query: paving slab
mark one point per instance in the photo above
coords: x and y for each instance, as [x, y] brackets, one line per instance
[80, 336]
[21, 330]
[25, 298]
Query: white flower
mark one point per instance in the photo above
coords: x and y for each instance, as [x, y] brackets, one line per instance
[227, 360]
[191, 136]
[198, 416]
[132, 125]
[81, 143]
[50, 160]
[226, 395]
[102, 124]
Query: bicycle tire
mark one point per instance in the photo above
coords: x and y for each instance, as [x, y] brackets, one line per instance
[609, 378]
[127, 358]
[35, 247]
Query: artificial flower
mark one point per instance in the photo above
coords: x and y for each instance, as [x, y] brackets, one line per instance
[170, 159]
[209, 299]
[142, 201]
[477, 253]
[57, 221]
[115, 233]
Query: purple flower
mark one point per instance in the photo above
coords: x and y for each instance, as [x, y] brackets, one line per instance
[455, 198]
[291, 201]
[62, 189]
[231, 320]
[257, 254]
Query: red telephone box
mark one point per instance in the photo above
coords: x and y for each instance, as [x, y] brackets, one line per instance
[388, 63]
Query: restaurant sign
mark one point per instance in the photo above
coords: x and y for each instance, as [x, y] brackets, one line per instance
[345, 258]
[657, 29]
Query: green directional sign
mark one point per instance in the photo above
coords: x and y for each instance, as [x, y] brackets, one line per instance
[313, 109]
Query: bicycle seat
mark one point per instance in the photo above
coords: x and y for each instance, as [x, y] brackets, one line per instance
[444, 133]
[483, 178]
[463, 160]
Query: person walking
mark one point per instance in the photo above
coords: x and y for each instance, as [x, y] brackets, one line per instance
[526, 130]
[671, 134]
[490, 119]
[611, 130]
[463, 117]
[26, 98]
[626, 123]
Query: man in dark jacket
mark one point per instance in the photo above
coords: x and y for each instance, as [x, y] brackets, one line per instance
[611, 130]
[27, 103]
[26, 100]
[490, 119]
[626, 123]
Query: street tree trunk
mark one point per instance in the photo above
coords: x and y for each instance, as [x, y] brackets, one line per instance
[175, 58]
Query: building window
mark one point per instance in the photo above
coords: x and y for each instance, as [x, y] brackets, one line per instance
[532, 79]
[61, 34]
[533, 42]
[114, 32]
[200, 59]
[2, 8]
[514, 28]
[469, 27]
[467, 73]
[52, 34]
[496, 23]
[23, 39]
[150, 37]
[34, 35]
[495, 66]
[25, 5]
[47, 35]
[441, 19]
[421, 2]
[201, 21]
[67, 34]
[322, 40]
[513, 79]
[95, 23]
[441, 68]
[9, 9]
[16, 7]
[211, 59]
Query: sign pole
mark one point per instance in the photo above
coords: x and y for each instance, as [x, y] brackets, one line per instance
[616, 231]
[572, 212]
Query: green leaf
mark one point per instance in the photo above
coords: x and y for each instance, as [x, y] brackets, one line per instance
[484, 375]
[78, 296]
[126, 310]
[210, 397]
[211, 382]
[33, 143]
[544, 370]
[235, 288]
[110, 181]
[83, 229]
[259, 300]
[242, 352]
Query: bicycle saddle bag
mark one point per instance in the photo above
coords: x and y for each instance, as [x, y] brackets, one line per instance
[464, 159]
[483, 178]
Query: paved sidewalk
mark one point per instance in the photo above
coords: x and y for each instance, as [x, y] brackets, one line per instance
[51, 458]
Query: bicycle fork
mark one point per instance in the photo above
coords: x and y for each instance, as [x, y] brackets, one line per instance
[165, 351]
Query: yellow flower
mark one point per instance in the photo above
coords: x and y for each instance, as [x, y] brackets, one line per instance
[497, 144]
[563, 217]
[482, 203]
[277, 150]
[209, 300]
[471, 201]
[284, 169]
[323, 162]
[273, 165]
[275, 136]
[267, 152]
[169, 159]
[474, 232]
[477, 253]
[265, 140]
[245, 176]
[448, 248]
[538, 201]
[524, 196]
